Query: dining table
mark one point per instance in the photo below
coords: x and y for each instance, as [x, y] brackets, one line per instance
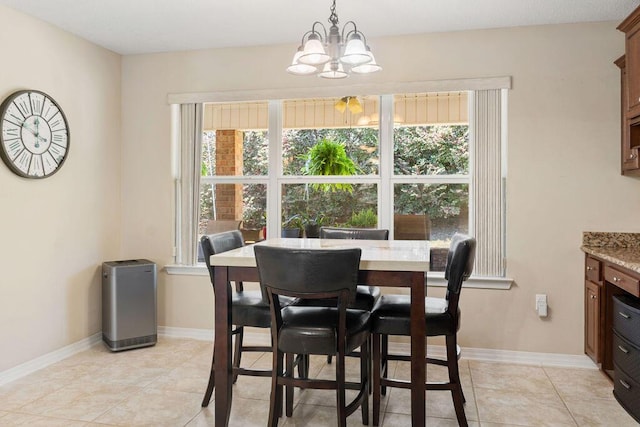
[384, 263]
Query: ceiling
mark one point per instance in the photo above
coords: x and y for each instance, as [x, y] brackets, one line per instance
[145, 26]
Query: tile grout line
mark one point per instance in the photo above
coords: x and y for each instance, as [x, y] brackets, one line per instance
[560, 396]
[475, 396]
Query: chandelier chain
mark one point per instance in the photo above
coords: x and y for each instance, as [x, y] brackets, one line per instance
[333, 18]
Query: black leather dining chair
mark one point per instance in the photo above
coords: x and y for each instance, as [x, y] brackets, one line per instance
[248, 308]
[324, 330]
[366, 296]
[391, 316]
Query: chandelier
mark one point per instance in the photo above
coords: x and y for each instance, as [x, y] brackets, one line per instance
[334, 55]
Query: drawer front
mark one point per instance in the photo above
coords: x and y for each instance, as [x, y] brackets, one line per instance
[627, 357]
[622, 280]
[626, 318]
[627, 392]
[592, 270]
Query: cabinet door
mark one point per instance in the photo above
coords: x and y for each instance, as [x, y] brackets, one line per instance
[593, 270]
[633, 68]
[592, 321]
[630, 161]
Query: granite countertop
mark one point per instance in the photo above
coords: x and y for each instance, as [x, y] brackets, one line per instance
[618, 248]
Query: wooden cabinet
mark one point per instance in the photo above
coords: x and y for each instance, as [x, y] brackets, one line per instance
[631, 28]
[593, 308]
[630, 94]
[592, 321]
[625, 281]
[630, 162]
[612, 326]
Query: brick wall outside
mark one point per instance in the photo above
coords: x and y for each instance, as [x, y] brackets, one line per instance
[229, 162]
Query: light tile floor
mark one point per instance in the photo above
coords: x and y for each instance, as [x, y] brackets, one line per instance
[163, 385]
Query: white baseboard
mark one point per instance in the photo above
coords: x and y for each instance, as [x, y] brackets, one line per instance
[49, 359]
[196, 334]
[482, 354]
[469, 353]
[250, 334]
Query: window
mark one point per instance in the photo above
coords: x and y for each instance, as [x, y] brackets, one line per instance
[235, 164]
[420, 168]
[431, 166]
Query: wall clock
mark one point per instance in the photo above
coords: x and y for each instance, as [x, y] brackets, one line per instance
[34, 141]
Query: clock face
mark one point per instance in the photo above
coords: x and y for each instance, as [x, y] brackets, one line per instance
[34, 141]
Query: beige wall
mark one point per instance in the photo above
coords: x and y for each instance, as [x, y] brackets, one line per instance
[113, 200]
[563, 162]
[56, 232]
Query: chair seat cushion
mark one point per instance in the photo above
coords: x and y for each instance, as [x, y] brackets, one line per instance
[366, 298]
[391, 316]
[249, 309]
[312, 330]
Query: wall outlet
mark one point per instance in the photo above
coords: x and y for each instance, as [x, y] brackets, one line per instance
[541, 305]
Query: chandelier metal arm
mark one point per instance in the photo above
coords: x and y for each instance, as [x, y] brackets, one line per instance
[352, 31]
[314, 31]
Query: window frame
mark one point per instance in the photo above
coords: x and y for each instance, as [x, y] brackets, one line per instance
[386, 179]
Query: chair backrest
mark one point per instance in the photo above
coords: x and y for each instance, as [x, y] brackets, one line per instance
[307, 273]
[354, 233]
[411, 227]
[460, 259]
[219, 242]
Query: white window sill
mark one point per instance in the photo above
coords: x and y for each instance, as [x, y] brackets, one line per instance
[435, 279]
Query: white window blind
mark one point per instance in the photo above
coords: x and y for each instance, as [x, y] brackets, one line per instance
[188, 182]
[487, 192]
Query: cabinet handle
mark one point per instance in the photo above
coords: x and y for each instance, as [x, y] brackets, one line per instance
[622, 349]
[616, 279]
[589, 268]
[626, 316]
[593, 296]
[625, 385]
[632, 156]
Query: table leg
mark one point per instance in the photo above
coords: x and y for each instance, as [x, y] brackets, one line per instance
[222, 344]
[418, 353]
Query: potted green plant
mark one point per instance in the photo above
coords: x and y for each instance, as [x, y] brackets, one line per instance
[363, 219]
[292, 226]
[329, 157]
[312, 225]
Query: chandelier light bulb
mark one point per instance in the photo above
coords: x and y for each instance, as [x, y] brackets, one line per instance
[313, 52]
[368, 67]
[298, 68]
[355, 53]
[333, 70]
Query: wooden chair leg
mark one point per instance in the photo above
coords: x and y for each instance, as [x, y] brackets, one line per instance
[384, 361]
[306, 365]
[365, 369]
[275, 402]
[340, 391]
[211, 384]
[289, 389]
[376, 379]
[454, 379]
[303, 366]
[237, 351]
